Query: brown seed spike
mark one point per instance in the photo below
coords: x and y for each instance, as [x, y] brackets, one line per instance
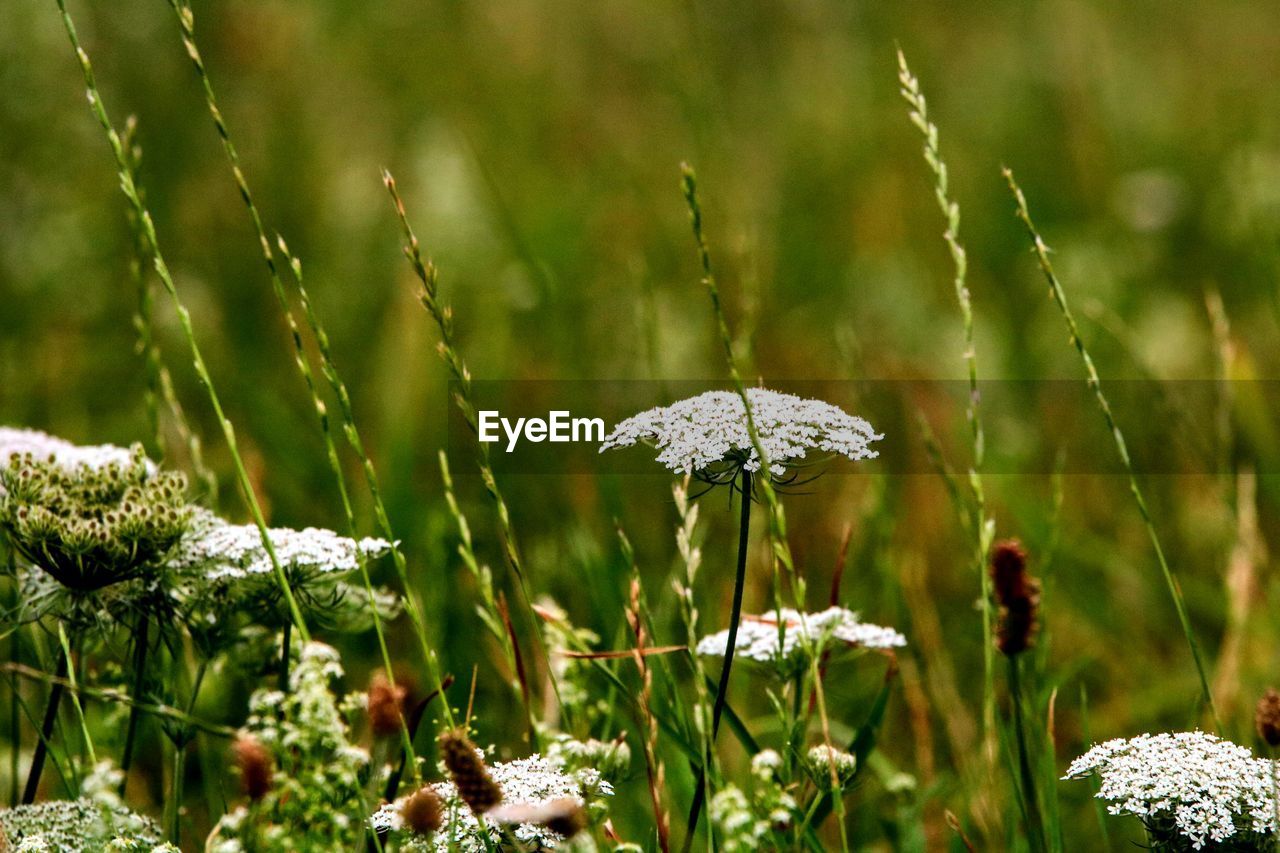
[386, 700]
[1267, 717]
[466, 768]
[255, 766]
[423, 812]
[1017, 594]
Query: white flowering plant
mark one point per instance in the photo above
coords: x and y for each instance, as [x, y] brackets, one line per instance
[1191, 790]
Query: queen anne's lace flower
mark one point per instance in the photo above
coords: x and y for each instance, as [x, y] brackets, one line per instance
[712, 427]
[42, 446]
[235, 550]
[532, 781]
[833, 628]
[72, 826]
[1196, 785]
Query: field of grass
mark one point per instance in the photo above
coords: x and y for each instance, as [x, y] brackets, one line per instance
[1035, 245]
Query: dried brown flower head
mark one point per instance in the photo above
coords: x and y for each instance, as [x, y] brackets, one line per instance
[1017, 594]
[255, 765]
[566, 816]
[1267, 717]
[468, 772]
[423, 812]
[386, 703]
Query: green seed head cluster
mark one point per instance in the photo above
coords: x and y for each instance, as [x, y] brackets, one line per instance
[92, 527]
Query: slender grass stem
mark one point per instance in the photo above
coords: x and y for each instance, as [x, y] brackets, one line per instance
[1041, 251]
[129, 187]
[1035, 824]
[140, 643]
[56, 690]
[983, 528]
[442, 314]
[286, 643]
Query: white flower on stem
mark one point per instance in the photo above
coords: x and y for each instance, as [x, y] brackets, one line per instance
[1191, 784]
[709, 430]
[763, 639]
[235, 551]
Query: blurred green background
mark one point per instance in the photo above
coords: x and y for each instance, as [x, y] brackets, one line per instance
[537, 145]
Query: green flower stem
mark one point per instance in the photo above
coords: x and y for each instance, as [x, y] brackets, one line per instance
[56, 690]
[1035, 824]
[135, 711]
[735, 616]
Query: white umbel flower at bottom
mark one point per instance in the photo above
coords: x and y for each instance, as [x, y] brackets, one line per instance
[532, 781]
[1205, 789]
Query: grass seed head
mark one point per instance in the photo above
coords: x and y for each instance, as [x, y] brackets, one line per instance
[255, 766]
[423, 812]
[469, 773]
[1267, 717]
[1017, 594]
[386, 702]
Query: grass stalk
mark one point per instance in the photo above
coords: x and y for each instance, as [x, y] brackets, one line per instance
[1035, 823]
[159, 381]
[442, 314]
[129, 187]
[982, 528]
[1041, 251]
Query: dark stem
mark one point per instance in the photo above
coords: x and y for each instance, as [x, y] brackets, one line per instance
[46, 731]
[722, 694]
[284, 655]
[1035, 828]
[135, 712]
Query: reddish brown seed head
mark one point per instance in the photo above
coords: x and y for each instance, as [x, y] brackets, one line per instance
[386, 702]
[1267, 717]
[423, 812]
[468, 772]
[255, 765]
[1018, 596]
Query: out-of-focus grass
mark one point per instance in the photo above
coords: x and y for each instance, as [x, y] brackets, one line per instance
[539, 143]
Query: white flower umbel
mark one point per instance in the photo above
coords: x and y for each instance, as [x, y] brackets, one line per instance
[532, 781]
[761, 641]
[15, 441]
[235, 551]
[711, 428]
[1189, 784]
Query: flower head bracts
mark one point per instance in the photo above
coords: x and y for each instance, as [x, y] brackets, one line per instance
[91, 527]
[43, 447]
[1195, 785]
[701, 432]
[532, 781]
[761, 641]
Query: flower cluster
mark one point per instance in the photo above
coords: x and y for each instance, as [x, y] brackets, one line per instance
[44, 447]
[90, 527]
[710, 429]
[1189, 788]
[530, 784]
[755, 822]
[235, 551]
[222, 574]
[73, 826]
[822, 759]
[317, 772]
[783, 644]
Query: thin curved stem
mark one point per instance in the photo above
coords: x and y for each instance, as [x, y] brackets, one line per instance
[735, 616]
[46, 732]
